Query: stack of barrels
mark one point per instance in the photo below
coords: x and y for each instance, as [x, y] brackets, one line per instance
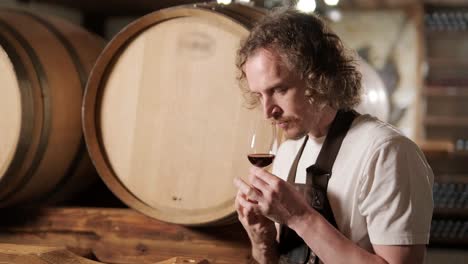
[44, 65]
[162, 115]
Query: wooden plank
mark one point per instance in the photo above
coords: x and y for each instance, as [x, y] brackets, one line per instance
[179, 260]
[446, 91]
[123, 235]
[451, 163]
[27, 254]
[436, 148]
[446, 121]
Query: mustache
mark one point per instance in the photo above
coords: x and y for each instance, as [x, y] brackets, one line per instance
[281, 120]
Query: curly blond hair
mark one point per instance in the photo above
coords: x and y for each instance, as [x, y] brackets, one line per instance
[311, 49]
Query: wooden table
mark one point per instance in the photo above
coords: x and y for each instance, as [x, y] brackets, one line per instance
[122, 235]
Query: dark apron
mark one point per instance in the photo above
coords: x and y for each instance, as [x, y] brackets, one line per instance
[293, 250]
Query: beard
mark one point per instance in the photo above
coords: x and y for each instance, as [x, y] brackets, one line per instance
[293, 131]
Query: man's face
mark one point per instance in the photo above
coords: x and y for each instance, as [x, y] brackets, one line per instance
[281, 93]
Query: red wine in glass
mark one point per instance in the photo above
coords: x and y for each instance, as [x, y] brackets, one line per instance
[261, 160]
[262, 143]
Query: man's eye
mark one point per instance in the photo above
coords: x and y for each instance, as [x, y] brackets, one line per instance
[256, 96]
[281, 90]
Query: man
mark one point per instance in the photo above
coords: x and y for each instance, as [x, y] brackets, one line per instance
[380, 189]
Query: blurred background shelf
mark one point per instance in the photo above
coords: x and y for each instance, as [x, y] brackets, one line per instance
[445, 120]
[448, 91]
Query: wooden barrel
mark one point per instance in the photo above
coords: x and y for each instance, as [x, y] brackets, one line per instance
[164, 118]
[44, 65]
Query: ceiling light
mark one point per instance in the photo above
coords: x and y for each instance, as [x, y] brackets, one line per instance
[334, 15]
[306, 6]
[331, 2]
[224, 2]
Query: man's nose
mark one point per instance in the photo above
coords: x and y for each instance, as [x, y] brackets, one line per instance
[270, 109]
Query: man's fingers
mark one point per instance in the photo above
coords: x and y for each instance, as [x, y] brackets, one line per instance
[243, 205]
[241, 185]
[259, 184]
[239, 208]
[250, 211]
[250, 192]
[268, 180]
[265, 176]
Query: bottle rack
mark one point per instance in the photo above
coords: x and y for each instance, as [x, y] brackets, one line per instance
[446, 121]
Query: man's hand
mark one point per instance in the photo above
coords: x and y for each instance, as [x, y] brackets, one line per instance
[273, 197]
[261, 230]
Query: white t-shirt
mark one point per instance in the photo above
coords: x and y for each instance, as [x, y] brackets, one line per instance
[380, 190]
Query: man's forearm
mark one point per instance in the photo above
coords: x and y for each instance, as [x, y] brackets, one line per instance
[328, 243]
[265, 254]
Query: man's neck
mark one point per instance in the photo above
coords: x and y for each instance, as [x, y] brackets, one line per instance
[327, 116]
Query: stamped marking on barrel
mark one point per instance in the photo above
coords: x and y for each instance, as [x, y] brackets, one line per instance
[175, 198]
[142, 248]
[196, 45]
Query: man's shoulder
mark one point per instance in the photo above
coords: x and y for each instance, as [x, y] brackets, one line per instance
[368, 128]
[369, 132]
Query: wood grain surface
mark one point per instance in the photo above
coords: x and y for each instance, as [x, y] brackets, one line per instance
[122, 236]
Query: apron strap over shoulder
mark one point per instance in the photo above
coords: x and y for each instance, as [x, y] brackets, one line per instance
[292, 248]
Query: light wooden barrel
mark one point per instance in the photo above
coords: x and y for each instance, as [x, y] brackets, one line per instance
[164, 118]
[44, 65]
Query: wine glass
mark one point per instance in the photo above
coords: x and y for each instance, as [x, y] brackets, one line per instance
[263, 143]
